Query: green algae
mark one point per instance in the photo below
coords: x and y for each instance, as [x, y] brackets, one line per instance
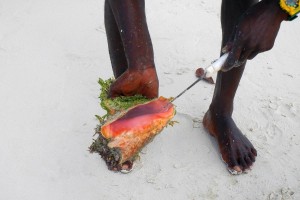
[120, 103]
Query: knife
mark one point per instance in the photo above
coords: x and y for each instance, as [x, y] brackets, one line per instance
[213, 68]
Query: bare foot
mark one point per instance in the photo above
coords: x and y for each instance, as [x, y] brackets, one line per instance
[131, 82]
[237, 151]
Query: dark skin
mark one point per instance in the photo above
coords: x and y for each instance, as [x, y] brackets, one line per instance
[130, 49]
[131, 54]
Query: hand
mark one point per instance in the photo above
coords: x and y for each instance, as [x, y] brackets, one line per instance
[255, 32]
[132, 82]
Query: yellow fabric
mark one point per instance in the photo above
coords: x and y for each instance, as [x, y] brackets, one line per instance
[289, 9]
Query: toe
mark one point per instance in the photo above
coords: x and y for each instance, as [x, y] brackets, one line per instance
[243, 164]
[248, 161]
[254, 151]
[252, 157]
[234, 167]
[235, 170]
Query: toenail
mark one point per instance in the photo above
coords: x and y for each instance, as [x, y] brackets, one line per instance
[237, 168]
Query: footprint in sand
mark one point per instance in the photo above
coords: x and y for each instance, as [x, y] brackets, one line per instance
[197, 123]
[287, 110]
[283, 194]
[166, 81]
[274, 132]
[282, 108]
[183, 70]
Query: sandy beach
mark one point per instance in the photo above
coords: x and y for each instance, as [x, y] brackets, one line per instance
[51, 56]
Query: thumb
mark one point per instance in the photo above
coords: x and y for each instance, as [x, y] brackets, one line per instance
[113, 91]
[227, 47]
[233, 58]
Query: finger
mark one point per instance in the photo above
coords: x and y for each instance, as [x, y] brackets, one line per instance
[114, 92]
[252, 55]
[227, 47]
[230, 42]
[233, 58]
[244, 56]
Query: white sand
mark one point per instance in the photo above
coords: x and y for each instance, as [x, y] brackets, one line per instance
[51, 55]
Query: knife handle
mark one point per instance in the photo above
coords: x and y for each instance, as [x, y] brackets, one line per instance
[216, 66]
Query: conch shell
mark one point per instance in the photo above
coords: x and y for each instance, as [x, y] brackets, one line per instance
[124, 134]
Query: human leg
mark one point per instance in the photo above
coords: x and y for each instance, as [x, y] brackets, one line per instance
[115, 44]
[130, 33]
[237, 151]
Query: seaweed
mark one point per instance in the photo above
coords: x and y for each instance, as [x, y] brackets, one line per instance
[114, 107]
[172, 123]
[120, 103]
[112, 156]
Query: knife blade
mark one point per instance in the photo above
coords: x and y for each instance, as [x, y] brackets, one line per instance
[213, 68]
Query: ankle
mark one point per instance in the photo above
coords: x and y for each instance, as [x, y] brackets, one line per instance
[219, 110]
[143, 67]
